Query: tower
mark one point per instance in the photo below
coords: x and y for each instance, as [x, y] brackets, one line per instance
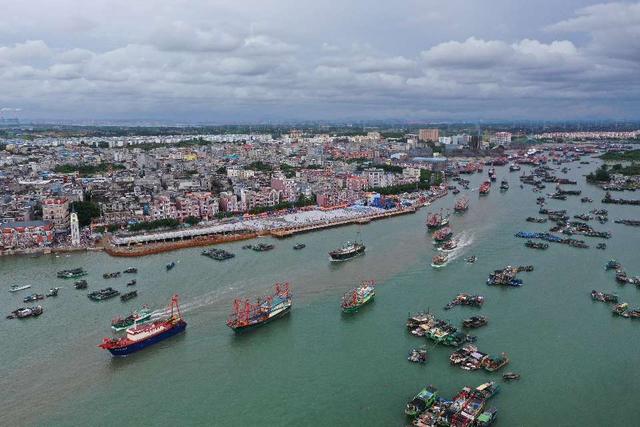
[75, 229]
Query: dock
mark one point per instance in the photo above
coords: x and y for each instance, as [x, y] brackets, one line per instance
[290, 231]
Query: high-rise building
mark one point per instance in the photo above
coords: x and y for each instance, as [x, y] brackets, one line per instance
[430, 134]
[75, 229]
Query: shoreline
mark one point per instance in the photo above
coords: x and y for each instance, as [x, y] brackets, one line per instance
[145, 249]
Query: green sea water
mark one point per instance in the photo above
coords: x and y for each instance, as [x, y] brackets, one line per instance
[317, 366]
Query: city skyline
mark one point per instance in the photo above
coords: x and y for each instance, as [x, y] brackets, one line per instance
[219, 62]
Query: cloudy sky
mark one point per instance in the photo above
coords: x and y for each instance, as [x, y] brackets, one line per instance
[255, 60]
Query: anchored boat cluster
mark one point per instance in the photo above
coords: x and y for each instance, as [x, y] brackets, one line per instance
[507, 276]
[467, 408]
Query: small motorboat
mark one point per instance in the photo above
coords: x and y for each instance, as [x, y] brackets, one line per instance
[53, 292]
[449, 246]
[33, 297]
[128, 296]
[471, 259]
[418, 355]
[299, 246]
[18, 288]
[171, 265]
[81, 284]
[131, 270]
[131, 282]
[510, 376]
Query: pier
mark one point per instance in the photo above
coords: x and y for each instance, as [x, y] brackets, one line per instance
[290, 231]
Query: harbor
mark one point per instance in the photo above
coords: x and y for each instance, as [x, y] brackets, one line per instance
[214, 365]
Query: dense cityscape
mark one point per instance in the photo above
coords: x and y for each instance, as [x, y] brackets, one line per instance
[128, 185]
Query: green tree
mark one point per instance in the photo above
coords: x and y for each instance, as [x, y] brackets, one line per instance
[86, 211]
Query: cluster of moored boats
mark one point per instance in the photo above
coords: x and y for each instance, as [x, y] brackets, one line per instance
[436, 330]
[467, 408]
[621, 276]
[217, 254]
[469, 358]
[465, 299]
[507, 276]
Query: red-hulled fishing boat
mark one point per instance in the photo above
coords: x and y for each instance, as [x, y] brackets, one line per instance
[437, 220]
[443, 234]
[485, 187]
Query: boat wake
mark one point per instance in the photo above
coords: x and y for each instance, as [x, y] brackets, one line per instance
[464, 239]
[206, 300]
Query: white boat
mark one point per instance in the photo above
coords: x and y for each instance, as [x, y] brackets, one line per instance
[17, 288]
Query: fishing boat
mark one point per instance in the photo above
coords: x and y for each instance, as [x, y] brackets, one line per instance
[536, 245]
[422, 401]
[487, 418]
[53, 292]
[475, 322]
[449, 245]
[604, 297]
[439, 261]
[80, 284]
[131, 270]
[299, 246]
[24, 312]
[71, 274]
[494, 363]
[612, 265]
[488, 389]
[135, 318]
[33, 297]
[103, 294]
[510, 376]
[218, 254]
[484, 188]
[171, 265]
[262, 247]
[504, 185]
[18, 288]
[113, 275]
[437, 220]
[418, 355]
[347, 251]
[129, 295]
[462, 204]
[443, 234]
[357, 297]
[247, 315]
[621, 309]
[144, 335]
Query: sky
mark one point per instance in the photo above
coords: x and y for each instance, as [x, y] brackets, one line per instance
[249, 61]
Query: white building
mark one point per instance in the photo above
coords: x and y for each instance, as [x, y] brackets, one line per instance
[500, 138]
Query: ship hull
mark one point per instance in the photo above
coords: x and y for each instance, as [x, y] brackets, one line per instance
[132, 348]
[239, 329]
[355, 308]
[346, 256]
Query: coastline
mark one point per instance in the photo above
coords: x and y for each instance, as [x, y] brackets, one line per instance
[139, 250]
